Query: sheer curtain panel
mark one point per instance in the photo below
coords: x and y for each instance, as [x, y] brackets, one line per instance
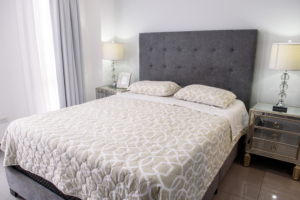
[68, 51]
[36, 44]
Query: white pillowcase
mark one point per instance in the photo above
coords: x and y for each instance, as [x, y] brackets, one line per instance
[155, 88]
[207, 95]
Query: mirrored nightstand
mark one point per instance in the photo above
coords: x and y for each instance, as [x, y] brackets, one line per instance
[106, 91]
[274, 134]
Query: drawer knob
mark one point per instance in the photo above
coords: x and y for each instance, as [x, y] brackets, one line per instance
[275, 136]
[273, 148]
[276, 124]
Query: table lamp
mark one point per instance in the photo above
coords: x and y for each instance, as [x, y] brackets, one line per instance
[285, 57]
[113, 51]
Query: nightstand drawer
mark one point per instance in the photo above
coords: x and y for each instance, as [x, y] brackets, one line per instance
[276, 136]
[276, 123]
[274, 148]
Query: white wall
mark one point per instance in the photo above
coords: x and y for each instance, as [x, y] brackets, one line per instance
[13, 99]
[91, 44]
[98, 25]
[107, 10]
[276, 20]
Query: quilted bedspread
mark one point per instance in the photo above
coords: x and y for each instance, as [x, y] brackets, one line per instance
[122, 148]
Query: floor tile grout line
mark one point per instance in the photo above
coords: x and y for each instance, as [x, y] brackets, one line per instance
[262, 181]
[233, 194]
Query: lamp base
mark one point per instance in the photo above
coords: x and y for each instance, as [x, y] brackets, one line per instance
[280, 108]
[113, 85]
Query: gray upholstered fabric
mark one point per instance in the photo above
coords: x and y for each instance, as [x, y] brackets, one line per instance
[212, 188]
[28, 188]
[223, 59]
[228, 162]
[225, 167]
[230, 158]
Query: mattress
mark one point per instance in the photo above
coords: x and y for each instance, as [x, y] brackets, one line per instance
[126, 147]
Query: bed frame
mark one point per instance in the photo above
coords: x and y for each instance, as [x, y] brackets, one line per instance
[223, 59]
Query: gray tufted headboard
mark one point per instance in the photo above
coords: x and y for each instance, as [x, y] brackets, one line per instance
[223, 59]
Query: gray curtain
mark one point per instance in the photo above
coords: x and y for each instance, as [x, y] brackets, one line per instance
[68, 51]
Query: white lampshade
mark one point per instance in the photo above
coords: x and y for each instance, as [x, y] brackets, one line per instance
[112, 51]
[285, 56]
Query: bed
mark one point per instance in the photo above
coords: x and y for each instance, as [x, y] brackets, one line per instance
[132, 146]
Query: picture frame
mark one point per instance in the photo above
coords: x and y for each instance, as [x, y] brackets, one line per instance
[123, 80]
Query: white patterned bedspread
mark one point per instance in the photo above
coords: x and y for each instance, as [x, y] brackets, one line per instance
[124, 147]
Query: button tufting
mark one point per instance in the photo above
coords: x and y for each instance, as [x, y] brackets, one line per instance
[179, 49]
[164, 49]
[213, 49]
[151, 65]
[179, 67]
[212, 69]
[232, 49]
[195, 50]
[150, 49]
[229, 89]
[165, 66]
[194, 68]
[231, 69]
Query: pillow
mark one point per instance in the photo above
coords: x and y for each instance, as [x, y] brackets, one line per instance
[207, 95]
[155, 88]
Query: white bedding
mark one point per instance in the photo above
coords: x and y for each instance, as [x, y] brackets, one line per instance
[236, 112]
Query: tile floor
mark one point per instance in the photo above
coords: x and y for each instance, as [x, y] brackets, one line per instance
[265, 179]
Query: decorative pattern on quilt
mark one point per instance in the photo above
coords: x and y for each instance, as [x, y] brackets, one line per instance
[207, 95]
[155, 88]
[121, 148]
